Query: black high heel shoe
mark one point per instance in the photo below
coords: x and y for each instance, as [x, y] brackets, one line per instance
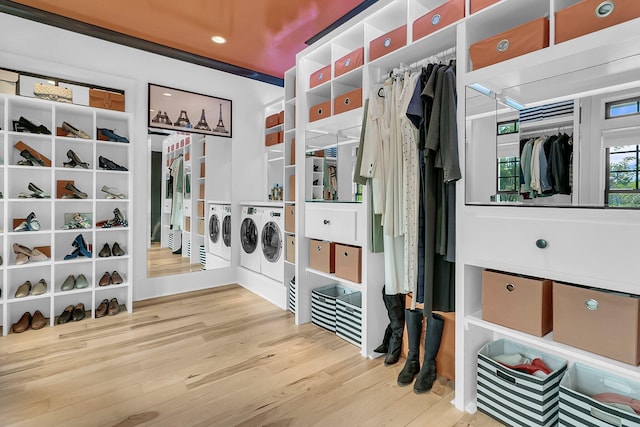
[74, 161]
[31, 158]
[105, 163]
[77, 194]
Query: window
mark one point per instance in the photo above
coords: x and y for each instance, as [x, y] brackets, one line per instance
[621, 108]
[511, 126]
[622, 189]
[508, 179]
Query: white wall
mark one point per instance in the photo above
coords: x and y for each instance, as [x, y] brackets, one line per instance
[41, 49]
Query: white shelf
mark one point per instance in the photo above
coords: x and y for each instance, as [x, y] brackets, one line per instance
[332, 276]
[547, 343]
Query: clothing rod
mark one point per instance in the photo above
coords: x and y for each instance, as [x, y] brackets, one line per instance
[556, 129]
[442, 56]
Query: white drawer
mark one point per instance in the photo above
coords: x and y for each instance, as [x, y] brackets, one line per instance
[580, 247]
[167, 205]
[333, 224]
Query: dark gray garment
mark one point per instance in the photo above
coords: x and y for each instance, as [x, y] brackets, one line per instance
[356, 172]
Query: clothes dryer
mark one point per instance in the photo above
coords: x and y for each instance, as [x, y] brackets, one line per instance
[271, 243]
[214, 230]
[250, 226]
[225, 247]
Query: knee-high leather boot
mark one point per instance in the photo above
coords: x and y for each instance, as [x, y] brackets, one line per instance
[432, 339]
[384, 346]
[395, 308]
[414, 331]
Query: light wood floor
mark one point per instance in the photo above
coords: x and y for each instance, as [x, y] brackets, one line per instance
[162, 262]
[221, 357]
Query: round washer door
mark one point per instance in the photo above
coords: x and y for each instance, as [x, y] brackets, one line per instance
[226, 231]
[271, 241]
[214, 228]
[249, 235]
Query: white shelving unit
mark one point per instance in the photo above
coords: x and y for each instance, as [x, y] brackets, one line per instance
[585, 247]
[53, 213]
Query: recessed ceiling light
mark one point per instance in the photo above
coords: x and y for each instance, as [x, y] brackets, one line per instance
[166, 94]
[218, 39]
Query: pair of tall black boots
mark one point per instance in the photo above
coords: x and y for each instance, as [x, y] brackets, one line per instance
[427, 374]
[392, 341]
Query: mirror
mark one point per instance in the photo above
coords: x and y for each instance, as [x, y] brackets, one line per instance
[330, 163]
[187, 233]
[566, 140]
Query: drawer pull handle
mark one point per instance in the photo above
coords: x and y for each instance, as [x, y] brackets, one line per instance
[346, 101]
[347, 62]
[510, 287]
[607, 418]
[320, 76]
[541, 243]
[326, 222]
[319, 111]
[346, 254]
[591, 304]
[503, 45]
[605, 9]
[319, 248]
[387, 42]
[436, 19]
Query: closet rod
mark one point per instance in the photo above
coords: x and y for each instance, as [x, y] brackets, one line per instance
[442, 56]
[552, 130]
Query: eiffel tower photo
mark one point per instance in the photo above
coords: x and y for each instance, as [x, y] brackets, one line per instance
[220, 127]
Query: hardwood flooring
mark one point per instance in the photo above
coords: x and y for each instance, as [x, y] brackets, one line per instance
[221, 357]
[162, 262]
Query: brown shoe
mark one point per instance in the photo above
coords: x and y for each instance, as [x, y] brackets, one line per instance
[114, 307]
[116, 279]
[102, 308]
[38, 321]
[105, 280]
[22, 324]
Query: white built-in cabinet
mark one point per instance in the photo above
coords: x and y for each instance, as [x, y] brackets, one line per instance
[53, 213]
[586, 246]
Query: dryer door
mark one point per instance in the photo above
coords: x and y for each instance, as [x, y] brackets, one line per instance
[226, 230]
[249, 235]
[214, 228]
[271, 241]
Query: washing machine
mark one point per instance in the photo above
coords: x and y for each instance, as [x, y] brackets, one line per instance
[225, 247]
[250, 226]
[271, 243]
[214, 230]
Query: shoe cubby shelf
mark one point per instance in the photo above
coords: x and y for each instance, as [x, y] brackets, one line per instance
[73, 170]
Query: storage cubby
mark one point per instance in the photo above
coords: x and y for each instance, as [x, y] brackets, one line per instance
[78, 117]
[20, 209]
[16, 308]
[36, 111]
[40, 143]
[64, 246]
[64, 270]
[64, 300]
[16, 277]
[64, 211]
[81, 147]
[114, 151]
[30, 240]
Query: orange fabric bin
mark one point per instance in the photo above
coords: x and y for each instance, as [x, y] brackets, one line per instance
[438, 18]
[517, 302]
[320, 111]
[593, 15]
[271, 120]
[601, 322]
[347, 101]
[477, 5]
[388, 43]
[321, 76]
[349, 62]
[517, 41]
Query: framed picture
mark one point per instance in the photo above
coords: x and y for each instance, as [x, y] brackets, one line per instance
[185, 111]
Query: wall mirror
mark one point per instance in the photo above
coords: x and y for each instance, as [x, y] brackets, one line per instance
[567, 140]
[330, 163]
[189, 203]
